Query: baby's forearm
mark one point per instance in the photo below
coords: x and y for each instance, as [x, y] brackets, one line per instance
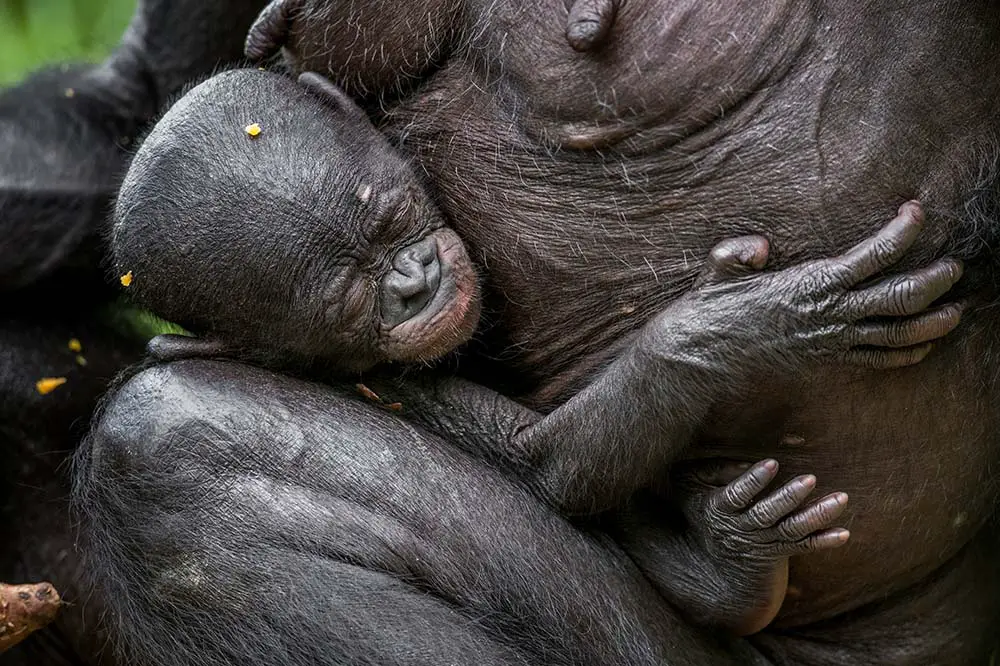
[590, 454]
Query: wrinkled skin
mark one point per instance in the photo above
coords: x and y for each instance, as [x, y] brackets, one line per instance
[797, 121]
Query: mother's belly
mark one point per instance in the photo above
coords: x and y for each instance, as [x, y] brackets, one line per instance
[914, 448]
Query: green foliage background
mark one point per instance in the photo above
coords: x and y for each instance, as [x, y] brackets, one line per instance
[36, 32]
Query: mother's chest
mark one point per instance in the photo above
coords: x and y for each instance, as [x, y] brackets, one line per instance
[683, 60]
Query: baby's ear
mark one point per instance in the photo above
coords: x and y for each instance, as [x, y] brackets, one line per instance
[333, 96]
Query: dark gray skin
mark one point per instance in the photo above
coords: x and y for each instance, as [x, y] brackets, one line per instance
[186, 252]
[797, 121]
[38, 434]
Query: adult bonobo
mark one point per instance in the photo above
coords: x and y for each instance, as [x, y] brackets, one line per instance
[589, 183]
[356, 268]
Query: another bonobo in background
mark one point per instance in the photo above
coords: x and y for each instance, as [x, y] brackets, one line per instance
[63, 133]
[66, 133]
[54, 366]
[358, 269]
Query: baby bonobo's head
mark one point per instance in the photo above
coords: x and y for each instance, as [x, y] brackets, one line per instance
[272, 219]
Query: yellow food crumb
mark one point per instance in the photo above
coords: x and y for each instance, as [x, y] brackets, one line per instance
[127, 279]
[47, 385]
[70, 92]
[80, 360]
[253, 129]
[75, 346]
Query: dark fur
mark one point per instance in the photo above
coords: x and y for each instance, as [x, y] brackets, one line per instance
[235, 237]
[612, 176]
[63, 141]
[425, 564]
[53, 208]
[38, 434]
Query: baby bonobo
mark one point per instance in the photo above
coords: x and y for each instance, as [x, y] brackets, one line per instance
[291, 233]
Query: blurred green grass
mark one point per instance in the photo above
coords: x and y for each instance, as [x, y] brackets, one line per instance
[37, 32]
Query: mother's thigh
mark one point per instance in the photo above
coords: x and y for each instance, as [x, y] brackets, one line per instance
[237, 516]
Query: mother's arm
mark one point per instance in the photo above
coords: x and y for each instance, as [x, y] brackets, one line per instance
[235, 516]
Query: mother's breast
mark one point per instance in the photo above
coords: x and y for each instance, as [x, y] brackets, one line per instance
[916, 449]
[678, 63]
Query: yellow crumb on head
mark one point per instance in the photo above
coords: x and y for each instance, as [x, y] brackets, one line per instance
[69, 92]
[127, 279]
[252, 129]
[75, 346]
[47, 385]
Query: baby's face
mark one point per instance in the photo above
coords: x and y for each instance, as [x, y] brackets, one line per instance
[408, 292]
